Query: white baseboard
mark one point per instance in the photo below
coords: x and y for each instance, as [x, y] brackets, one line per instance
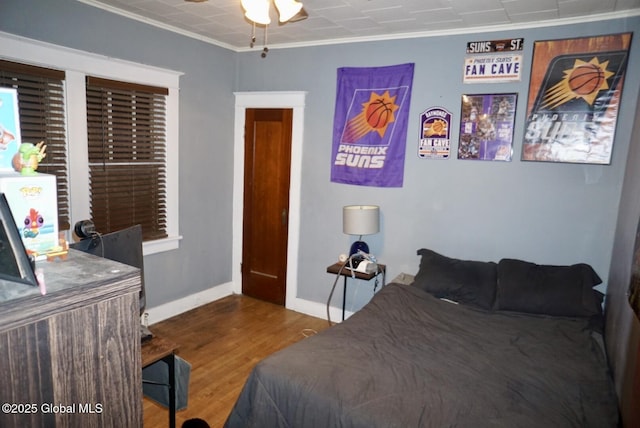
[319, 310]
[176, 307]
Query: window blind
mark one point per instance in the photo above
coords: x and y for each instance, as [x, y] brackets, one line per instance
[127, 156]
[41, 103]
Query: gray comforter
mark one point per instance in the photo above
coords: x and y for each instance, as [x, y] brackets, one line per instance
[408, 359]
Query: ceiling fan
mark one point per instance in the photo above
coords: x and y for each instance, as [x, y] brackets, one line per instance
[257, 12]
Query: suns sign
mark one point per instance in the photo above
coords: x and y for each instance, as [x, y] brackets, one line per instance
[493, 61]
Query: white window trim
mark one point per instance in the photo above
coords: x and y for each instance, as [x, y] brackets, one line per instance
[77, 65]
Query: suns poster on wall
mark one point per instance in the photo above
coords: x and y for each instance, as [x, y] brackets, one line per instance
[370, 125]
[574, 96]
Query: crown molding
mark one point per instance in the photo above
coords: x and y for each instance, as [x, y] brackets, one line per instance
[396, 36]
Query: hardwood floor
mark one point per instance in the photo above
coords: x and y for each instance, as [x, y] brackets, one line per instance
[222, 341]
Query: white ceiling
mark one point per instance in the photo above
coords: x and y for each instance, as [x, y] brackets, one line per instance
[222, 22]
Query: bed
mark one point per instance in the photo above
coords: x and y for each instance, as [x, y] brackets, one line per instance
[467, 344]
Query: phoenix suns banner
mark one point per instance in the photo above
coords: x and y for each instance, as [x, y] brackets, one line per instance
[370, 125]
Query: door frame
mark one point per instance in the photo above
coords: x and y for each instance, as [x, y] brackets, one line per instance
[290, 99]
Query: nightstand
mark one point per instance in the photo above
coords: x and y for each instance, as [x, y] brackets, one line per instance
[339, 268]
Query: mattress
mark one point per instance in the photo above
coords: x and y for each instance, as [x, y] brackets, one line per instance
[408, 359]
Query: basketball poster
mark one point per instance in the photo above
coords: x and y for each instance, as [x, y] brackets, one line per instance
[370, 125]
[486, 126]
[574, 96]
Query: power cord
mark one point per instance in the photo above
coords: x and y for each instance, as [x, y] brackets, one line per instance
[96, 239]
[308, 332]
[333, 288]
[359, 254]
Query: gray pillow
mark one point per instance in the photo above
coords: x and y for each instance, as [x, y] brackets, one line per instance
[463, 281]
[548, 289]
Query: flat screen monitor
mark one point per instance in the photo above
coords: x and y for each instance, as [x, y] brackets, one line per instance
[15, 264]
[124, 246]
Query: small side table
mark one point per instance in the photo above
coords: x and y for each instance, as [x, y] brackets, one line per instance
[154, 350]
[341, 269]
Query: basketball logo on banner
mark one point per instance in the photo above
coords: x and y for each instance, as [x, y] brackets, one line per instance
[376, 115]
[379, 112]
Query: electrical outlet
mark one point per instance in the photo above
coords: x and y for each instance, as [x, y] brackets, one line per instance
[145, 319]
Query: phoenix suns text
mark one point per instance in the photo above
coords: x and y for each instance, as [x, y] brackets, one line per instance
[361, 156]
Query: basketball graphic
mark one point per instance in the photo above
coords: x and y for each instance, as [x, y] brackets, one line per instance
[582, 80]
[436, 127]
[378, 113]
[586, 79]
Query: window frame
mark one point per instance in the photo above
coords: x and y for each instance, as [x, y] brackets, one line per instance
[127, 156]
[77, 65]
[43, 89]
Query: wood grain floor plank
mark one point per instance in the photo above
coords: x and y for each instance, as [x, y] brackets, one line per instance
[223, 341]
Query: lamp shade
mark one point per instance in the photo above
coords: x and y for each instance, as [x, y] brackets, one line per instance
[360, 219]
[257, 11]
[287, 9]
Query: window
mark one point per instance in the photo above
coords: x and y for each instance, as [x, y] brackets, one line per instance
[126, 141]
[42, 118]
[149, 88]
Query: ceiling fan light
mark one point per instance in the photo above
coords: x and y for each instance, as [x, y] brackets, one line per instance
[257, 11]
[287, 9]
[300, 16]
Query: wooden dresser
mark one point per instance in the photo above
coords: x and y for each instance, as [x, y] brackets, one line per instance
[71, 358]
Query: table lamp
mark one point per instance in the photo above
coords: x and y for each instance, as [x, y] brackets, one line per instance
[360, 220]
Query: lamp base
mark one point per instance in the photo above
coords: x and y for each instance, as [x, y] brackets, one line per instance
[358, 246]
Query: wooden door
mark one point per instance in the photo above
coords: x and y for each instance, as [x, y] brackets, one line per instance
[267, 165]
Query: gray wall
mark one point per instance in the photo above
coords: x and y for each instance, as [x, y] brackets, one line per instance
[206, 131]
[623, 327]
[541, 212]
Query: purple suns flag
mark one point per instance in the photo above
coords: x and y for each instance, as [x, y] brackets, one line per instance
[370, 125]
